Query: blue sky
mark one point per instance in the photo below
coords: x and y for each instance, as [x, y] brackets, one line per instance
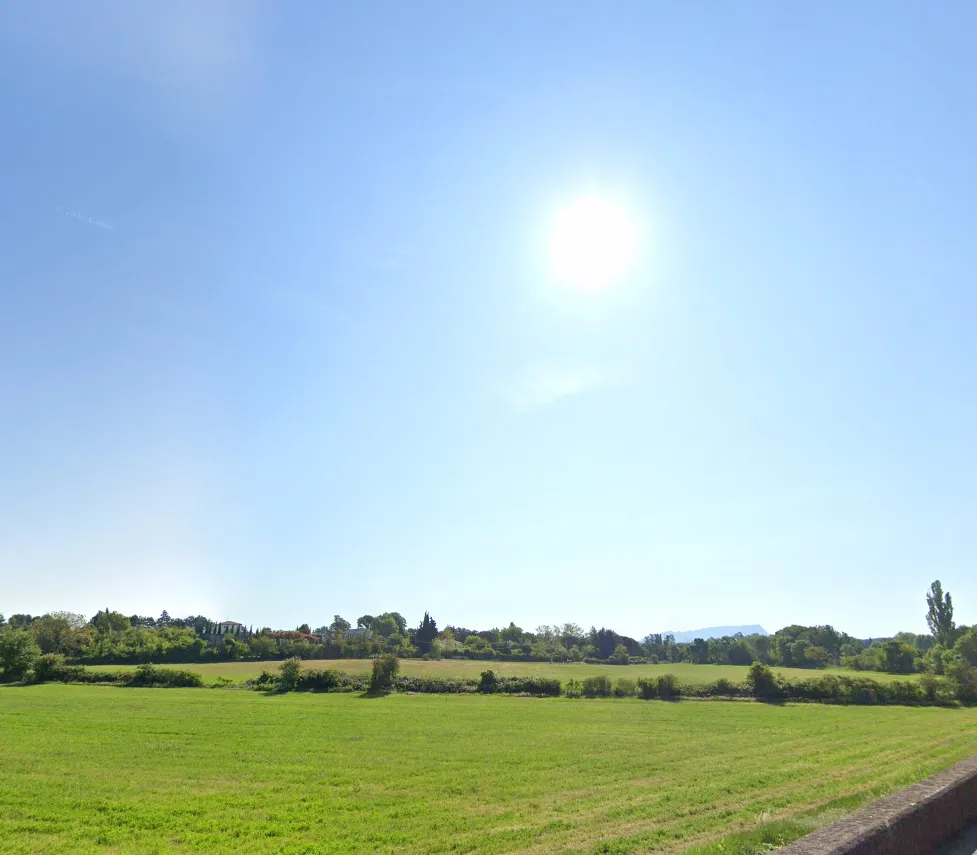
[279, 337]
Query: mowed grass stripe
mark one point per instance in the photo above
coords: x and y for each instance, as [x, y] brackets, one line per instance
[93, 769]
[686, 672]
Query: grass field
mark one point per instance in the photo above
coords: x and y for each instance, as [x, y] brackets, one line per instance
[686, 673]
[87, 769]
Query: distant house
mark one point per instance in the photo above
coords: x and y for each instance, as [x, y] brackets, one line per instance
[229, 626]
[359, 632]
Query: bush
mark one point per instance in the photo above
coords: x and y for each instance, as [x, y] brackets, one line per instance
[930, 686]
[330, 681]
[289, 673]
[597, 687]
[625, 688]
[436, 685]
[385, 670]
[762, 683]
[83, 675]
[544, 686]
[487, 683]
[152, 676]
[724, 688]
[265, 680]
[963, 678]
[54, 667]
[619, 656]
[647, 689]
[574, 689]
[668, 687]
[18, 652]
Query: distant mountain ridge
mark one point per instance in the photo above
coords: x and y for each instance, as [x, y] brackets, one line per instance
[716, 632]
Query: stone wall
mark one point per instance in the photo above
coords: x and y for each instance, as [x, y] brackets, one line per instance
[914, 821]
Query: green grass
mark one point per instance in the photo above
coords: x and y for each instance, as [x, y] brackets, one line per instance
[686, 673]
[86, 769]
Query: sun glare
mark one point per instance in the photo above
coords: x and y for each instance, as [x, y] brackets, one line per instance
[593, 244]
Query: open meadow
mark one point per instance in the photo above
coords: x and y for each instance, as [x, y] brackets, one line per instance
[687, 673]
[86, 769]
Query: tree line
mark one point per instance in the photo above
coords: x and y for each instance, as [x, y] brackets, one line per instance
[114, 638]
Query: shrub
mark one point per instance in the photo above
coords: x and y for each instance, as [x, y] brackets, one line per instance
[329, 681]
[545, 686]
[85, 676]
[725, 688]
[53, 666]
[905, 692]
[385, 670]
[619, 656]
[488, 682]
[647, 689]
[929, 686]
[625, 688]
[963, 678]
[18, 652]
[573, 689]
[265, 680]
[597, 687]
[289, 673]
[762, 683]
[436, 685]
[152, 676]
[668, 687]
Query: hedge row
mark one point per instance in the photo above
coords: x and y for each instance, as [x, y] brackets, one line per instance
[53, 668]
[761, 684]
[339, 681]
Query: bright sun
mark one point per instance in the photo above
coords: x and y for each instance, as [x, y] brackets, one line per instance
[593, 243]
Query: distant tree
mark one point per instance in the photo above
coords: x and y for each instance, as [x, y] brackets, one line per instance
[164, 619]
[619, 656]
[18, 652]
[797, 654]
[55, 631]
[939, 615]
[304, 627]
[699, 649]
[571, 635]
[339, 624]
[605, 640]
[398, 618]
[198, 623]
[763, 647]
[20, 621]
[966, 648]
[817, 656]
[512, 633]
[386, 626]
[739, 653]
[321, 630]
[898, 658]
[364, 621]
[385, 669]
[106, 621]
[426, 633]
[262, 647]
[142, 621]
